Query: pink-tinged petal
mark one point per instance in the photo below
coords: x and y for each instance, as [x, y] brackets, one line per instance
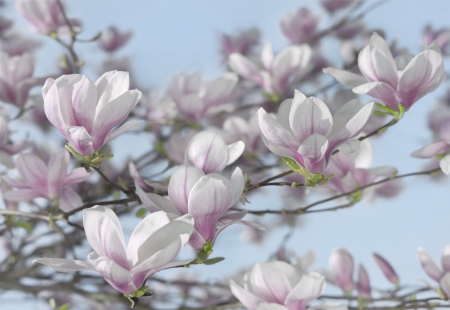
[181, 183]
[208, 201]
[273, 281]
[270, 306]
[329, 306]
[445, 258]
[197, 241]
[274, 132]
[117, 276]
[380, 44]
[33, 170]
[363, 285]
[422, 75]
[51, 106]
[252, 225]
[312, 116]
[77, 175]
[313, 151]
[22, 194]
[163, 245]
[341, 266]
[104, 234]
[57, 172]
[147, 227]
[284, 112]
[220, 90]
[249, 300]
[110, 86]
[428, 265]
[444, 284]
[126, 127]
[153, 202]
[279, 150]
[80, 140]
[310, 287]
[346, 78]
[349, 121]
[245, 67]
[376, 67]
[232, 217]
[299, 97]
[235, 150]
[349, 147]
[112, 114]
[444, 164]
[285, 64]
[432, 150]
[381, 91]
[267, 56]
[84, 102]
[69, 200]
[386, 268]
[208, 152]
[64, 265]
[237, 183]
[305, 262]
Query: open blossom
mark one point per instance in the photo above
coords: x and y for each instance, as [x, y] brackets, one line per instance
[242, 42]
[112, 39]
[196, 100]
[158, 110]
[299, 27]
[280, 72]
[386, 268]
[441, 36]
[85, 112]
[278, 285]
[306, 131]
[175, 147]
[208, 151]
[208, 198]
[7, 149]
[404, 81]
[236, 128]
[341, 266]
[439, 149]
[334, 5]
[16, 78]
[48, 181]
[434, 272]
[352, 171]
[154, 243]
[45, 16]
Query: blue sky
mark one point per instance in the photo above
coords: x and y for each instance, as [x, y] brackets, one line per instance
[181, 36]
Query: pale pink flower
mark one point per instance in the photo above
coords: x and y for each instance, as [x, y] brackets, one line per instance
[49, 181]
[386, 268]
[363, 285]
[16, 78]
[113, 39]
[441, 36]
[85, 112]
[441, 276]
[341, 266]
[404, 81]
[279, 72]
[153, 245]
[299, 27]
[306, 131]
[236, 128]
[439, 149]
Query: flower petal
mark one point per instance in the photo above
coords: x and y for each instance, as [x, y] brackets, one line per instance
[57, 172]
[380, 90]
[235, 150]
[64, 265]
[153, 202]
[80, 140]
[249, 300]
[310, 287]
[432, 150]
[69, 200]
[313, 151]
[346, 78]
[181, 183]
[208, 152]
[274, 132]
[428, 265]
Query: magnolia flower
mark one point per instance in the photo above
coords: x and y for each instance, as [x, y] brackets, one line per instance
[112, 39]
[441, 36]
[306, 132]
[158, 110]
[17, 43]
[208, 198]
[341, 266]
[434, 272]
[49, 181]
[16, 78]
[45, 17]
[280, 72]
[404, 81]
[242, 42]
[8, 149]
[209, 152]
[353, 171]
[196, 100]
[439, 150]
[363, 284]
[154, 243]
[386, 268]
[299, 27]
[85, 112]
[278, 285]
[236, 128]
[175, 147]
[333, 5]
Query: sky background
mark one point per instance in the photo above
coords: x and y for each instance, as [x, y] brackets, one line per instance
[182, 36]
